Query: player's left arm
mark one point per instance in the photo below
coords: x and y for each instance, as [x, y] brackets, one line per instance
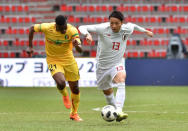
[77, 44]
[149, 33]
[76, 40]
[141, 29]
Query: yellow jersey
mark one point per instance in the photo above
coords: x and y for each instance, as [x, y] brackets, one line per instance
[58, 46]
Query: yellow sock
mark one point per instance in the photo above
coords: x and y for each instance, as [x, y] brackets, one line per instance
[64, 92]
[75, 102]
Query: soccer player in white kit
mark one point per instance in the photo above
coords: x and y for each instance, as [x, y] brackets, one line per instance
[112, 39]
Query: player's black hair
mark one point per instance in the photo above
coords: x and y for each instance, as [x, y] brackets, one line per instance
[61, 20]
[117, 14]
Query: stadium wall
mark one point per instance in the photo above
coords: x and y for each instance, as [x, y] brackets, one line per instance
[33, 72]
[157, 72]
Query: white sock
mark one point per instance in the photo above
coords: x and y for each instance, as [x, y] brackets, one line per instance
[110, 99]
[120, 96]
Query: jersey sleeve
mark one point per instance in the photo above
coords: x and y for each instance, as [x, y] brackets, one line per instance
[74, 34]
[139, 28]
[130, 27]
[40, 27]
[97, 28]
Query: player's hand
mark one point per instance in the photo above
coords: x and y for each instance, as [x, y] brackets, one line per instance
[77, 45]
[75, 42]
[149, 33]
[29, 51]
[89, 38]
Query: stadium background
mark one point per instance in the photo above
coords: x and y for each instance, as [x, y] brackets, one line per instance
[150, 108]
[162, 17]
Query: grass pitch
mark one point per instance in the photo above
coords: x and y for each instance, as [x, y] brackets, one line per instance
[41, 109]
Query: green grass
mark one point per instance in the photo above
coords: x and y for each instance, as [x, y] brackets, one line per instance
[41, 109]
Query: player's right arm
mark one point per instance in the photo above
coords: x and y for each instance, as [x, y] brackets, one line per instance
[31, 34]
[87, 29]
[35, 28]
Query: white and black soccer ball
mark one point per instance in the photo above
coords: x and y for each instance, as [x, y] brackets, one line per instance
[109, 113]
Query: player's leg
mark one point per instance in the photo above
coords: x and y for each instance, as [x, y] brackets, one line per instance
[72, 76]
[57, 73]
[61, 85]
[75, 97]
[119, 79]
[109, 95]
[104, 84]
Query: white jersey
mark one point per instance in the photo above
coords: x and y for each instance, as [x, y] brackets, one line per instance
[111, 46]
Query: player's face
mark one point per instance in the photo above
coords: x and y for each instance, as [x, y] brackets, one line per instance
[115, 24]
[61, 28]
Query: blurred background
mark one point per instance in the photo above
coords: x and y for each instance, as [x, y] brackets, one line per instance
[163, 17]
[167, 19]
[157, 67]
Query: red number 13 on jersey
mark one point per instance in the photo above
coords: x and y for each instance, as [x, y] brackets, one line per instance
[115, 45]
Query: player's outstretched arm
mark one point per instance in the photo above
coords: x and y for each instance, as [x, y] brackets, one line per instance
[85, 29]
[30, 48]
[141, 29]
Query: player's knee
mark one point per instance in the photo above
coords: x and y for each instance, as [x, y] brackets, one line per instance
[121, 80]
[75, 90]
[120, 77]
[60, 84]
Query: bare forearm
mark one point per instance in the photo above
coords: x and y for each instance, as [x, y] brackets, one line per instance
[149, 33]
[31, 34]
[79, 48]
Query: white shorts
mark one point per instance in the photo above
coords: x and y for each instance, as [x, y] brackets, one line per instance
[105, 77]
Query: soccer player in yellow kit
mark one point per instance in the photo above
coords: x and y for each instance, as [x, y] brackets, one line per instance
[60, 37]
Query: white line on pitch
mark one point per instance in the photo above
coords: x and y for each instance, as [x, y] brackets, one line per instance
[95, 109]
[157, 112]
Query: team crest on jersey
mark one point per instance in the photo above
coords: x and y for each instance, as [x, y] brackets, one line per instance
[66, 37]
[107, 34]
[124, 36]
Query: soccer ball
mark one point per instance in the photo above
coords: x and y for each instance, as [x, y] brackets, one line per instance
[109, 113]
